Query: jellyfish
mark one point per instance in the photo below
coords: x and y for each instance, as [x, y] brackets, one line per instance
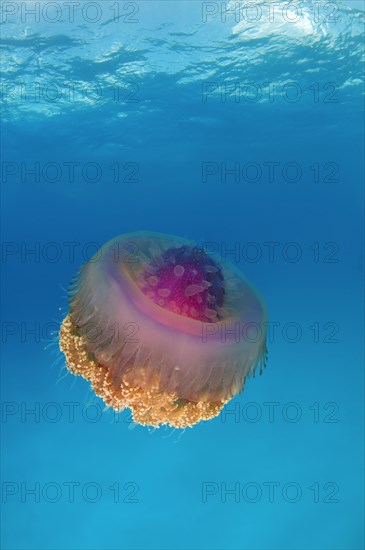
[159, 325]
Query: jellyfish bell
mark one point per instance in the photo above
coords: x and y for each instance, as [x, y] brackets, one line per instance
[159, 326]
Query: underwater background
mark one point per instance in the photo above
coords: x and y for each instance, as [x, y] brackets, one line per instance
[239, 126]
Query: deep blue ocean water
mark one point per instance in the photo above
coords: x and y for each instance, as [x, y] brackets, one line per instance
[240, 129]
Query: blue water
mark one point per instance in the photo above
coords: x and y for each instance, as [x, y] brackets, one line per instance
[174, 94]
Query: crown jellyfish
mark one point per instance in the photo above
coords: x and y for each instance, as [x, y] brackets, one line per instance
[162, 327]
